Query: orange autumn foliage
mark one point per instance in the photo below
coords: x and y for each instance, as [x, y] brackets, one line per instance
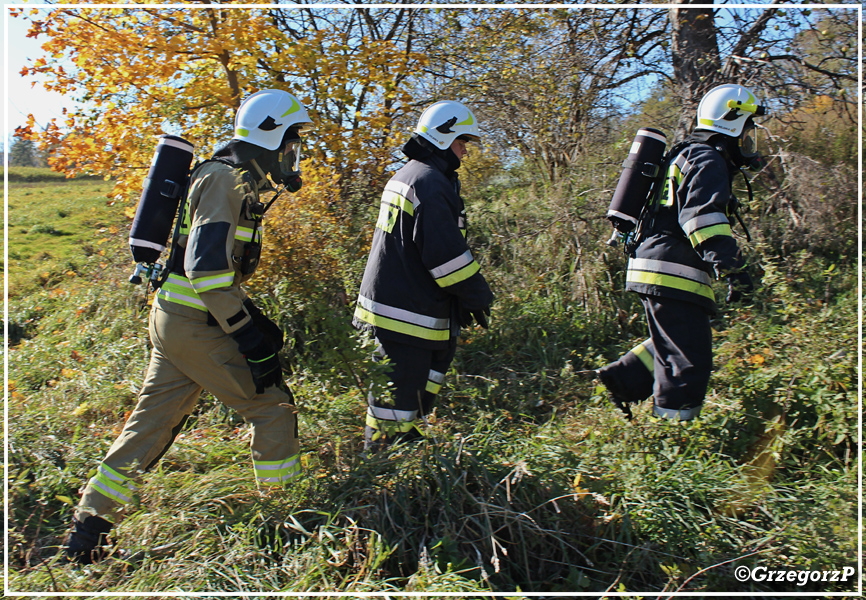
[141, 72]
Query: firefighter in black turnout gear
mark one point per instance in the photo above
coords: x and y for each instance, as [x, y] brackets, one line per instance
[421, 283]
[687, 244]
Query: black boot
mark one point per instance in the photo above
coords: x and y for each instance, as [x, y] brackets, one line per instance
[617, 394]
[88, 540]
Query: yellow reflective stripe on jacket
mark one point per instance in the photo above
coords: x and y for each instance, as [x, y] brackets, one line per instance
[399, 201]
[702, 235]
[703, 227]
[675, 174]
[646, 357]
[247, 234]
[112, 484]
[277, 471]
[401, 320]
[418, 331]
[455, 270]
[396, 197]
[670, 281]
[212, 282]
[179, 290]
[669, 275]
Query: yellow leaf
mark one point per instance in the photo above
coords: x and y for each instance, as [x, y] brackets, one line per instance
[579, 491]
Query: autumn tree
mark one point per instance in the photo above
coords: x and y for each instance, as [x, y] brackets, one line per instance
[545, 81]
[552, 86]
[140, 72]
[554, 83]
[789, 54]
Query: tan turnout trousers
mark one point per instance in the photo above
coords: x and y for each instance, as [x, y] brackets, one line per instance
[189, 355]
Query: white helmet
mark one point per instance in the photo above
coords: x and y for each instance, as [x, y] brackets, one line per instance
[726, 108]
[445, 121]
[264, 117]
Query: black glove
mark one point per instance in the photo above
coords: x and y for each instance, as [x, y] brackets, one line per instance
[261, 357]
[740, 287]
[268, 328]
[466, 316]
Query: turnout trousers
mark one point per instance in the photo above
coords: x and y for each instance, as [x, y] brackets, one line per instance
[417, 375]
[188, 356]
[673, 365]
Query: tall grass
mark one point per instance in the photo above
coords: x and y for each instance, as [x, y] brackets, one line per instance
[529, 481]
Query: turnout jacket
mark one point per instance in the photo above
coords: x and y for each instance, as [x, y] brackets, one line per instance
[690, 241]
[420, 266]
[219, 228]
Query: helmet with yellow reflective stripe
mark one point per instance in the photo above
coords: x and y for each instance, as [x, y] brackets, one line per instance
[726, 108]
[265, 117]
[446, 121]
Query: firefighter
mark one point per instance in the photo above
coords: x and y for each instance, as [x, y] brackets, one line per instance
[421, 282]
[206, 333]
[688, 244]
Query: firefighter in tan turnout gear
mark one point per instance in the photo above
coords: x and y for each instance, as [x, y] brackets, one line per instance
[421, 283]
[206, 334]
[688, 244]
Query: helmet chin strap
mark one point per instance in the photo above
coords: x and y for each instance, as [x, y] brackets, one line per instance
[267, 185]
[264, 183]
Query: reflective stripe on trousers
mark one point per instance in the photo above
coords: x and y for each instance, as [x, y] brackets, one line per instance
[277, 471]
[186, 350]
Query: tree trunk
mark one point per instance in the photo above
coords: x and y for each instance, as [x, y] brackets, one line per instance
[695, 58]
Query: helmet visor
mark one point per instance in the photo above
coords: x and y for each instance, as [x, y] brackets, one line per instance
[290, 158]
[749, 141]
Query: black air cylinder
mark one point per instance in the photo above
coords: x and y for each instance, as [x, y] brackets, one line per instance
[639, 170]
[160, 196]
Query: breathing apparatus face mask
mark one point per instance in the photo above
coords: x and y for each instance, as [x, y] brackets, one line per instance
[749, 141]
[747, 147]
[283, 165]
[290, 159]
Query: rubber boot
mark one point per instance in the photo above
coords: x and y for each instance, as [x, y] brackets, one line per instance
[88, 540]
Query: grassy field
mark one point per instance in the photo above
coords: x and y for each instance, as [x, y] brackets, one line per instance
[531, 482]
[55, 225]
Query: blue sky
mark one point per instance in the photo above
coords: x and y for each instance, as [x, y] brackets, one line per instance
[20, 98]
